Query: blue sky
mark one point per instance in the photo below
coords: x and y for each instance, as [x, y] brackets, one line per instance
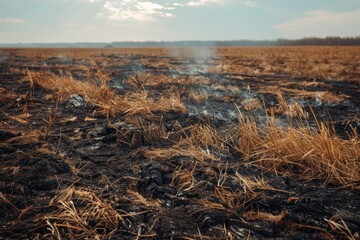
[141, 20]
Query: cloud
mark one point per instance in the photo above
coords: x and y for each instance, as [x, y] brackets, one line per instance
[11, 20]
[197, 3]
[146, 10]
[135, 10]
[249, 3]
[322, 23]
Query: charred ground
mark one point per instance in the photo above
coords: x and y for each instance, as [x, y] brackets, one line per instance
[220, 143]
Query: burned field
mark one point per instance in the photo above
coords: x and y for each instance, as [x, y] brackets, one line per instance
[215, 143]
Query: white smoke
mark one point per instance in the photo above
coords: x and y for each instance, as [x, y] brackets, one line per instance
[196, 60]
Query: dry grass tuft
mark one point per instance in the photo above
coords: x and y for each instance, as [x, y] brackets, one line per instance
[307, 152]
[337, 224]
[196, 145]
[293, 110]
[251, 104]
[192, 152]
[264, 216]
[138, 199]
[82, 215]
[109, 102]
[331, 98]
[197, 96]
[252, 184]
[230, 199]
[184, 178]
[205, 136]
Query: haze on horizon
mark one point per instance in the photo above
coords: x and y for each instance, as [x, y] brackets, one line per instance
[54, 21]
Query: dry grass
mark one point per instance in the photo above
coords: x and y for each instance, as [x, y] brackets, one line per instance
[337, 224]
[328, 62]
[138, 199]
[329, 97]
[82, 215]
[293, 110]
[264, 216]
[146, 79]
[230, 88]
[24, 138]
[197, 96]
[325, 96]
[231, 199]
[7, 97]
[205, 136]
[184, 178]
[251, 104]
[252, 184]
[311, 153]
[198, 145]
[109, 102]
[192, 152]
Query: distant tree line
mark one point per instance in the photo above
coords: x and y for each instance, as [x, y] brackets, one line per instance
[315, 41]
[328, 41]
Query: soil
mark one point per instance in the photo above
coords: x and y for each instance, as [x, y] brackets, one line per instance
[107, 155]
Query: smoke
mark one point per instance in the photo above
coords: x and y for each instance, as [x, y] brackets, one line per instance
[3, 59]
[196, 60]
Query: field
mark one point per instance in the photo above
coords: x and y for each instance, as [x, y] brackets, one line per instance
[180, 143]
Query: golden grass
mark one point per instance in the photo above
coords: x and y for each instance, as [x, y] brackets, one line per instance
[197, 96]
[293, 110]
[310, 153]
[231, 199]
[251, 104]
[337, 224]
[196, 145]
[264, 216]
[324, 96]
[138, 199]
[205, 136]
[109, 102]
[27, 137]
[230, 88]
[184, 178]
[82, 215]
[252, 184]
[146, 79]
[7, 97]
[192, 152]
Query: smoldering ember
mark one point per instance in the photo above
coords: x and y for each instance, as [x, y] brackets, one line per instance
[180, 143]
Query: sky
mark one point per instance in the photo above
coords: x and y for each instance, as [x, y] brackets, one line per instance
[54, 21]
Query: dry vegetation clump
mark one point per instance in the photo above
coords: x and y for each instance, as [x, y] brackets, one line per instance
[294, 110]
[82, 215]
[198, 145]
[341, 63]
[21, 137]
[140, 81]
[197, 96]
[180, 150]
[329, 97]
[109, 102]
[6, 96]
[153, 130]
[310, 153]
[323, 96]
[147, 79]
[171, 101]
[230, 88]
[184, 178]
[205, 136]
[251, 104]
[264, 216]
